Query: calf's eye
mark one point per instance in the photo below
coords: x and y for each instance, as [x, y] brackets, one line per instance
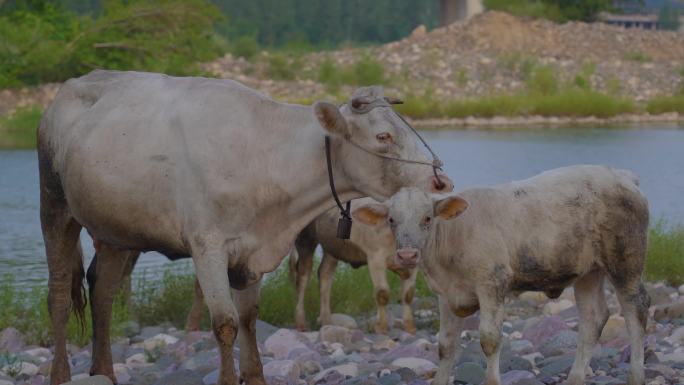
[384, 137]
[426, 220]
[391, 220]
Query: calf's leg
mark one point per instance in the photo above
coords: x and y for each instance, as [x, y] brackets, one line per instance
[211, 267]
[593, 314]
[247, 302]
[302, 270]
[491, 320]
[634, 302]
[408, 286]
[192, 323]
[377, 266]
[450, 327]
[325, 275]
[105, 274]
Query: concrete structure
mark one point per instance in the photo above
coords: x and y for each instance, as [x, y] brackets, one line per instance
[455, 10]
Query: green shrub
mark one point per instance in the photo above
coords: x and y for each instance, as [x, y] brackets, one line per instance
[665, 261]
[329, 75]
[51, 44]
[18, 130]
[639, 56]
[543, 80]
[246, 47]
[663, 104]
[279, 67]
[368, 71]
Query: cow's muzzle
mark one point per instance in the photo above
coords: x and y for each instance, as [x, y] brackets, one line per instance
[441, 185]
[407, 257]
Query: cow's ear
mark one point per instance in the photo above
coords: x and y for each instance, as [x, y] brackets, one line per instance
[450, 207]
[370, 214]
[331, 119]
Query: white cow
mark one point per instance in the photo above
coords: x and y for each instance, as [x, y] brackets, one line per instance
[569, 226]
[371, 245]
[201, 167]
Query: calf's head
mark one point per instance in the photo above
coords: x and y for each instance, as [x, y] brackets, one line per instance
[366, 131]
[411, 214]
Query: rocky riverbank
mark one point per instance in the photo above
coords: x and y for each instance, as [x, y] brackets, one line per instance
[539, 341]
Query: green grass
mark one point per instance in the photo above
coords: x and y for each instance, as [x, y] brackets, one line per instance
[663, 104]
[352, 293]
[167, 301]
[365, 71]
[665, 261]
[27, 312]
[573, 102]
[18, 130]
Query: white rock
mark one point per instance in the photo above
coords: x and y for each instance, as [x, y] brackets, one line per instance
[384, 344]
[681, 290]
[160, 340]
[39, 352]
[615, 327]
[283, 368]
[347, 370]
[283, 341]
[343, 320]
[533, 296]
[76, 377]
[552, 308]
[419, 365]
[516, 335]
[26, 368]
[136, 359]
[334, 333]
[532, 357]
[677, 335]
[311, 336]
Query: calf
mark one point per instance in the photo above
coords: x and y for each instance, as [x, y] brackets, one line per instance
[372, 245]
[569, 226]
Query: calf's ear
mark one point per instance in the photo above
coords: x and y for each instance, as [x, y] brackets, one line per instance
[450, 207]
[370, 214]
[331, 119]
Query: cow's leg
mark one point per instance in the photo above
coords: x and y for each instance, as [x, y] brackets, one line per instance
[450, 327]
[65, 264]
[105, 274]
[192, 323]
[302, 271]
[247, 302]
[211, 268]
[325, 276]
[408, 287]
[593, 314]
[491, 320]
[377, 266]
[634, 302]
[127, 282]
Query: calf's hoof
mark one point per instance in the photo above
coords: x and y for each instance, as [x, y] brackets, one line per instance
[380, 328]
[409, 327]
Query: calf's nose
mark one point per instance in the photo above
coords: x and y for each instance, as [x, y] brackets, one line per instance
[407, 257]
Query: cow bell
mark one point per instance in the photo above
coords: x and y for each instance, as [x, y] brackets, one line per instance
[344, 226]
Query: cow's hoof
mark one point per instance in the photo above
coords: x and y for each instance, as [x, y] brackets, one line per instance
[409, 327]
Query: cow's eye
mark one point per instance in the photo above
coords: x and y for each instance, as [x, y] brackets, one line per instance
[426, 220]
[384, 137]
[391, 220]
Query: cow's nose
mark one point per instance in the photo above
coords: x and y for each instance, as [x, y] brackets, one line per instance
[441, 185]
[407, 257]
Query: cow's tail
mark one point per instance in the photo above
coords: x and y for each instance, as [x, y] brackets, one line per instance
[292, 265]
[78, 294]
[632, 177]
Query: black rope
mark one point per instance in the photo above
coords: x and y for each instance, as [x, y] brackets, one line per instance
[344, 224]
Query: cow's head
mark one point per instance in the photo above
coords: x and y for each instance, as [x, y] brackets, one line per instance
[411, 214]
[363, 133]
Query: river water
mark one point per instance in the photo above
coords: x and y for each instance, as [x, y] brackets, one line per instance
[482, 157]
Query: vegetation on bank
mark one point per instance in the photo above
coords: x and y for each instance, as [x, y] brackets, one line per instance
[18, 130]
[167, 301]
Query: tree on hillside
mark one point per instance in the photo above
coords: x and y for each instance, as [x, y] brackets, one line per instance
[668, 18]
[556, 10]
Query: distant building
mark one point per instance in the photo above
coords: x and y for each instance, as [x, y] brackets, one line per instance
[455, 10]
[643, 21]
